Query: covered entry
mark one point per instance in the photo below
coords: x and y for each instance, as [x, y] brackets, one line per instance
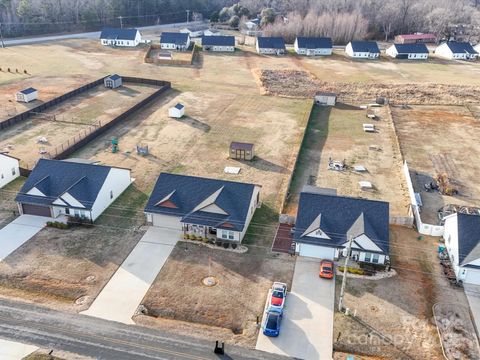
[39, 210]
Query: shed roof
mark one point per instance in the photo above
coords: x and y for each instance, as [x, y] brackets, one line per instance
[241, 146]
[28, 90]
[174, 38]
[179, 106]
[118, 34]
[218, 40]
[271, 42]
[314, 42]
[114, 77]
[365, 46]
[411, 48]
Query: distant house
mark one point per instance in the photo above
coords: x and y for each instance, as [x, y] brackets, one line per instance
[462, 240]
[218, 43]
[57, 187]
[26, 95]
[270, 45]
[176, 111]
[195, 31]
[174, 41]
[325, 98]
[415, 38]
[325, 224]
[205, 208]
[408, 51]
[120, 37]
[9, 169]
[252, 24]
[477, 48]
[211, 32]
[456, 50]
[313, 46]
[362, 49]
[241, 151]
[113, 81]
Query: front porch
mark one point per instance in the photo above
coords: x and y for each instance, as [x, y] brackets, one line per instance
[209, 233]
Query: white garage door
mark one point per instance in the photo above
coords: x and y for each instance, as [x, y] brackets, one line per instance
[166, 221]
[472, 277]
[315, 251]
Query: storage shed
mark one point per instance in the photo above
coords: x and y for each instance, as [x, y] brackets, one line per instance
[113, 81]
[26, 95]
[241, 151]
[325, 98]
[176, 111]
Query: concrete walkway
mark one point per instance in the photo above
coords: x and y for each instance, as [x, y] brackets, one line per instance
[120, 298]
[11, 350]
[19, 231]
[473, 296]
[307, 326]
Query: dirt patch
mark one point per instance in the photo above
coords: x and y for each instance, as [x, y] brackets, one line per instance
[8, 206]
[297, 83]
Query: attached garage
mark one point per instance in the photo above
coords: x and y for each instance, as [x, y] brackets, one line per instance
[39, 210]
[315, 251]
[166, 221]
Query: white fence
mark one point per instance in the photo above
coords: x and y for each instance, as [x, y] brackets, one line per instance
[424, 229]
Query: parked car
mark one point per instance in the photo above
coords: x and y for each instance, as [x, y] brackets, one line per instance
[326, 269]
[273, 319]
[279, 294]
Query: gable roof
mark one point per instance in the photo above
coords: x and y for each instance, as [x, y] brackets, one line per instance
[114, 77]
[458, 47]
[468, 238]
[174, 38]
[314, 42]
[418, 36]
[271, 42]
[240, 145]
[179, 106]
[28, 90]
[55, 178]
[118, 34]
[189, 196]
[411, 48]
[218, 40]
[365, 46]
[340, 217]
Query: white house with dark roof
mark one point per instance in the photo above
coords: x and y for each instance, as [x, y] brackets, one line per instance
[362, 50]
[218, 210]
[174, 41]
[176, 111]
[326, 222]
[408, 51]
[195, 30]
[462, 241]
[312, 46]
[9, 169]
[454, 50]
[112, 81]
[218, 43]
[270, 45]
[26, 95]
[120, 37]
[57, 187]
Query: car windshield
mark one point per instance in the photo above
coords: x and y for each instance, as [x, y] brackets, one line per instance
[327, 268]
[278, 294]
[272, 322]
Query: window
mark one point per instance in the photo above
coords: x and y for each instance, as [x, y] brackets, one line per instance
[375, 258]
[67, 211]
[13, 171]
[227, 234]
[368, 257]
[111, 194]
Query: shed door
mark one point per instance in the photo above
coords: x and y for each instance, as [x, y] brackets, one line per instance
[240, 154]
[38, 210]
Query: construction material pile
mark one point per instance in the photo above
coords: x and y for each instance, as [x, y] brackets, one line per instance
[301, 84]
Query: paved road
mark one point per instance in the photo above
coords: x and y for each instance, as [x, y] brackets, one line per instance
[19, 231]
[86, 35]
[120, 298]
[307, 325]
[102, 339]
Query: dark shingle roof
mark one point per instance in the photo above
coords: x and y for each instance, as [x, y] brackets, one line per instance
[28, 91]
[468, 238]
[179, 106]
[118, 34]
[239, 145]
[54, 177]
[218, 40]
[458, 47]
[174, 38]
[365, 46]
[411, 48]
[188, 192]
[271, 42]
[115, 77]
[342, 216]
[314, 42]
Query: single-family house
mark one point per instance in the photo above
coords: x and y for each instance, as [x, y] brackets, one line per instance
[241, 151]
[112, 81]
[325, 98]
[210, 32]
[176, 111]
[194, 31]
[456, 50]
[120, 37]
[462, 241]
[83, 190]
[9, 169]
[325, 224]
[270, 45]
[218, 43]
[174, 41]
[205, 208]
[415, 38]
[408, 51]
[313, 46]
[252, 24]
[26, 95]
[477, 48]
[362, 50]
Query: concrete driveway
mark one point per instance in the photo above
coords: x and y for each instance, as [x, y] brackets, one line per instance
[19, 231]
[11, 350]
[307, 325]
[120, 298]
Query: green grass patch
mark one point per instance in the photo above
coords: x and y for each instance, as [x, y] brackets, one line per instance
[263, 226]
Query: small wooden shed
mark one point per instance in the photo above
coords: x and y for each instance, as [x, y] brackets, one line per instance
[176, 111]
[26, 95]
[241, 151]
[325, 98]
[113, 81]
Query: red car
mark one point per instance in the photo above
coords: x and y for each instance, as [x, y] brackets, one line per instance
[326, 269]
[279, 293]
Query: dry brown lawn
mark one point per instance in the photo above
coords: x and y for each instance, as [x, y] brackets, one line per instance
[8, 206]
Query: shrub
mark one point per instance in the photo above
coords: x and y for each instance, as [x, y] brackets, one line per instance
[351, 270]
[234, 246]
[219, 243]
[57, 225]
[205, 240]
[226, 245]
[185, 236]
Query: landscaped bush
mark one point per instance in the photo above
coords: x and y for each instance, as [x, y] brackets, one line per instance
[57, 225]
[226, 245]
[219, 243]
[78, 221]
[234, 246]
[351, 270]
